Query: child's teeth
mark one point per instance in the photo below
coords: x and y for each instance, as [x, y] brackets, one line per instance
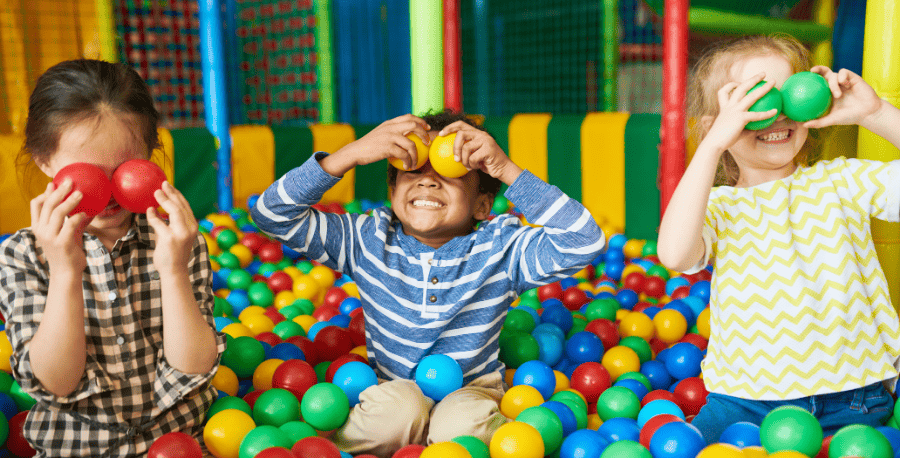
[426, 203]
[774, 136]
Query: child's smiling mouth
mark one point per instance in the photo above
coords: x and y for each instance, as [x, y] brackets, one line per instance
[426, 203]
[776, 136]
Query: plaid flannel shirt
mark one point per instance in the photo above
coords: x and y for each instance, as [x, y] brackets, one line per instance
[129, 395]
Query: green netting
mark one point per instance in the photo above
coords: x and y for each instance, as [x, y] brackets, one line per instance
[194, 173]
[293, 146]
[564, 154]
[371, 179]
[641, 188]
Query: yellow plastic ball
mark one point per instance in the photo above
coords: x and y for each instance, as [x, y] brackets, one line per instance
[670, 325]
[519, 398]
[756, 451]
[262, 376]
[258, 324]
[637, 324]
[305, 321]
[517, 440]
[224, 432]
[562, 382]
[445, 450]
[604, 288]
[243, 254]
[632, 248]
[323, 276]
[421, 154]
[441, 156]
[306, 287]
[787, 454]
[225, 380]
[293, 272]
[211, 245]
[237, 330]
[351, 289]
[585, 286]
[223, 292]
[703, 323]
[631, 268]
[594, 421]
[581, 274]
[720, 451]
[621, 313]
[251, 310]
[5, 352]
[361, 351]
[222, 219]
[283, 299]
[619, 360]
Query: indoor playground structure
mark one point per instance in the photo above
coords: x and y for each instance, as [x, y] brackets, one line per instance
[587, 95]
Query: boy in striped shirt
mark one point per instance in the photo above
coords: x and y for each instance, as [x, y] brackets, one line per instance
[432, 280]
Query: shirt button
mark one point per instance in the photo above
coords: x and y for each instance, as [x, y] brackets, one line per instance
[433, 298]
[434, 280]
[112, 295]
[120, 340]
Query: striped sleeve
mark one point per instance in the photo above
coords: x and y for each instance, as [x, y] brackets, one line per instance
[568, 241]
[284, 211]
[877, 187]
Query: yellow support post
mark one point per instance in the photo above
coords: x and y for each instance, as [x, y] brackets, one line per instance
[881, 69]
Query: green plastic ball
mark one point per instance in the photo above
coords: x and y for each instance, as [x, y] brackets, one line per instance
[242, 355]
[287, 329]
[625, 449]
[640, 346]
[547, 423]
[6, 382]
[770, 100]
[260, 294]
[519, 320]
[228, 402]
[791, 428]
[475, 446]
[501, 205]
[859, 440]
[518, 348]
[23, 400]
[325, 406]
[659, 271]
[297, 430]
[530, 302]
[353, 206]
[276, 406]
[576, 405]
[239, 279]
[637, 376]
[261, 438]
[618, 401]
[305, 266]
[806, 96]
[285, 262]
[306, 306]
[237, 213]
[321, 369]
[221, 307]
[578, 324]
[649, 248]
[267, 268]
[290, 311]
[530, 293]
[228, 260]
[226, 239]
[602, 308]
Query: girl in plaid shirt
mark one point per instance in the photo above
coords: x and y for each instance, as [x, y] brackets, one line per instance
[119, 346]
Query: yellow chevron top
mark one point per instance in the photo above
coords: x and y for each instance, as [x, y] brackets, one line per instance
[799, 303]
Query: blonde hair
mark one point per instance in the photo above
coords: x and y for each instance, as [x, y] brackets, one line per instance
[712, 71]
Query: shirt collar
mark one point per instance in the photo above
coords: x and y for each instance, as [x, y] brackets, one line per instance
[145, 233]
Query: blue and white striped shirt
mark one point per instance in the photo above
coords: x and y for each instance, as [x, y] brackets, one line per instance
[418, 300]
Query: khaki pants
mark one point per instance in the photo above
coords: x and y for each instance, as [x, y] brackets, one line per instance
[394, 414]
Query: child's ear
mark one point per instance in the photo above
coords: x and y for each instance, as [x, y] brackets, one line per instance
[44, 166]
[483, 206]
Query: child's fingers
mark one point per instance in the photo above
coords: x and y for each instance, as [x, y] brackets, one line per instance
[749, 99]
[463, 137]
[57, 215]
[760, 115]
[74, 226]
[740, 91]
[159, 226]
[454, 127]
[37, 204]
[725, 92]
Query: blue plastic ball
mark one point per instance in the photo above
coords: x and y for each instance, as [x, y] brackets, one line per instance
[354, 377]
[538, 375]
[743, 434]
[8, 406]
[658, 407]
[656, 373]
[617, 241]
[614, 257]
[636, 387]
[549, 328]
[349, 304]
[218, 280]
[567, 282]
[341, 321]
[565, 414]
[438, 376]
[685, 310]
[683, 360]
[701, 290]
[239, 300]
[892, 435]
[551, 345]
[584, 346]
[285, 351]
[221, 322]
[251, 201]
[696, 304]
[289, 253]
[674, 283]
[614, 270]
[627, 298]
[651, 311]
[558, 315]
[584, 443]
[620, 428]
[315, 328]
[677, 439]
[253, 267]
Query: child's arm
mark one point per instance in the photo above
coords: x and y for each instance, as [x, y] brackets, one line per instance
[189, 343]
[855, 102]
[681, 243]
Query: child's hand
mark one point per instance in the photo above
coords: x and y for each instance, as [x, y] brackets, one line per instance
[175, 240]
[476, 149]
[734, 101]
[59, 236]
[854, 101]
[388, 140]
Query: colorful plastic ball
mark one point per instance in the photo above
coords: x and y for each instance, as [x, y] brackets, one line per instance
[175, 445]
[475, 446]
[537, 374]
[618, 401]
[518, 348]
[635, 386]
[551, 345]
[516, 439]
[446, 449]
[741, 434]
[354, 377]
[701, 290]
[590, 379]
[721, 451]
[297, 430]
[96, 189]
[791, 428]
[242, 355]
[323, 275]
[626, 449]
[261, 438]
[606, 330]
[224, 432]
[656, 374]
[565, 414]
[332, 342]
[676, 439]
[315, 447]
[690, 394]
[770, 100]
[619, 429]
[583, 347]
[619, 360]
[860, 440]
[438, 376]
[584, 443]
[239, 279]
[276, 407]
[325, 406]
[518, 398]
[409, 451]
[559, 315]
[276, 452]
[228, 402]
[225, 380]
[675, 282]
[683, 360]
[658, 407]
[670, 325]
[547, 423]
[806, 96]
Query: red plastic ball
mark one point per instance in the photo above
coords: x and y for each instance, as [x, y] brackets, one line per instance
[340, 361]
[175, 445]
[334, 296]
[574, 297]
[549, 291]
[652, 425]
[410, 451]
[332, 342]
[280, 281]
[315, 447]
[657, 345]
[258, 278]
[276, 452]
[296, 376]
[641, 306]
[310, 352]
[93, 183]
[695, 339]
[274, 315]
[16, 442]
[134, 183]
[251, 397]
[590, 379]
[269, 337]
[253, 241]
[325, 313]
[690, 395]
[606, 330]
[658, 394]
[634, 281]
[270, 252]
[655, 286]
[681, 292]
[357, 328]
[214, 232]
[826, 444]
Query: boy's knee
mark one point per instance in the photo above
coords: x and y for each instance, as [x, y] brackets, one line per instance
[470, 411]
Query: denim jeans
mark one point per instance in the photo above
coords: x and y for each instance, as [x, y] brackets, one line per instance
[870, 405]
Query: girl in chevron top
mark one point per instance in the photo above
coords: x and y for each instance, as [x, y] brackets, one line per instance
[800, 310]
